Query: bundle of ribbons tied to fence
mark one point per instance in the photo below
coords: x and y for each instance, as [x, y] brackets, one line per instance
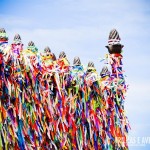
[47, 103]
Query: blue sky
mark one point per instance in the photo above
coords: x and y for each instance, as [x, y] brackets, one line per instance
[81, 28]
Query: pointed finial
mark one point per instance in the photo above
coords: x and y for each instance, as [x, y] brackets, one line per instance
[17, 39]
[114, 35]
[104, 72]
[47, 49]
[3, 36]
[2, 30]
[31, 43]
[91, 64]
[76, 61]
[62, 54]
[114, 45]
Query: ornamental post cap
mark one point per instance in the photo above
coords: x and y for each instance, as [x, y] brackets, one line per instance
[17, 39]
[76, 61]
[91, 64]
[62, 54]
[2, 30]
[104, 72]
[47, 49]
[3, 35]
[31, 43]
[114, 45]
